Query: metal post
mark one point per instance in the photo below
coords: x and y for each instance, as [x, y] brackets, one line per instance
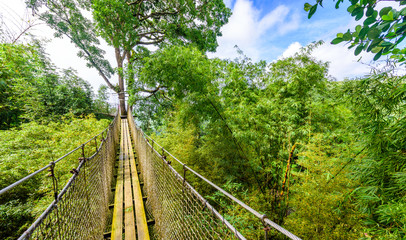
[266, 227]
[55, 188]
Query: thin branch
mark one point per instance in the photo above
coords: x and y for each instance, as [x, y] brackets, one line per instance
[24, 31]
[151, 43]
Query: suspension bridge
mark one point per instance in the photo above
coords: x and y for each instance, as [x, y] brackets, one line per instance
[127, 186]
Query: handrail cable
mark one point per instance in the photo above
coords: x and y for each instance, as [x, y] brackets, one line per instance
[71, 209]
[4, 190]
[70, 200]
[263, 217]
[205, 202]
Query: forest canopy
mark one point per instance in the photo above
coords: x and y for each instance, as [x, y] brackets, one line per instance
[285, 137]
[325, 159]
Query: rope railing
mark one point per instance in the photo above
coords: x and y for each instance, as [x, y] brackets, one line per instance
[53, 163]
[180, 212]
[79, 210]
[153, 166]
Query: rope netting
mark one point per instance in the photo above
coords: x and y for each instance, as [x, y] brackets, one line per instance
[180, 212]
[80, 208]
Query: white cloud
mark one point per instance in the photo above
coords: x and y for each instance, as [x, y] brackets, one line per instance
[247, 29]
[291, 50]
[343, 62]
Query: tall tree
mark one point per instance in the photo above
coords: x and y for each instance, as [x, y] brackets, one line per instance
[129, 27]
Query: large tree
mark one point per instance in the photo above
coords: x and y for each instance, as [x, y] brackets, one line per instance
[130, 26]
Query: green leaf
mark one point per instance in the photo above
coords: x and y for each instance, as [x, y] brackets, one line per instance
[312, 11]
[347, 36]
[337, 40]
[375, 14]
[376, 49]
[403, 12]
[351, 8]
[373, 33]
[307, 6]
[384, 26]
[369, 12]
[340, 35]
[363, 32]
[388, 17]
[369, 20]
[356, 11]
[384, 11]
[359, 49]
[358, 28]
[373, 44]
[386, 44]
[378, 55]
[390, 35]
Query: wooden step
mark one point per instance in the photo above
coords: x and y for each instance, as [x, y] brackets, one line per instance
[128, 196]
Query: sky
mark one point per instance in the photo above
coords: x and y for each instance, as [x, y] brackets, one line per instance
[262, 29]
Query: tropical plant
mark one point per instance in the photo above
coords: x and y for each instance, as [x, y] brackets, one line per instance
[381, 32]
[28, 148]
[32, 88]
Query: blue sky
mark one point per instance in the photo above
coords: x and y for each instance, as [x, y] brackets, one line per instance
[268, 30]
[263, 29]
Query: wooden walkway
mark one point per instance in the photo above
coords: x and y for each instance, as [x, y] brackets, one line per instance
[129, 220]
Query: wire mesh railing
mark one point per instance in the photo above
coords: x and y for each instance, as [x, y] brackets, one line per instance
[78, 210]
[180, 211]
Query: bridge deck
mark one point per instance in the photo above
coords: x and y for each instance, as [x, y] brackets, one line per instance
[129, 218]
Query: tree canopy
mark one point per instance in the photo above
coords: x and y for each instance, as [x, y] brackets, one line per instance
[32, 88]
[130, 26]
[284, 137]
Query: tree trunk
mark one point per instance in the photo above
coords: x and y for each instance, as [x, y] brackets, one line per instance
[121, 94]
[121, 99]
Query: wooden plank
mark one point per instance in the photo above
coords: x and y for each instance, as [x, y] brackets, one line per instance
[117, 225]
[142, 226]
[129, 221]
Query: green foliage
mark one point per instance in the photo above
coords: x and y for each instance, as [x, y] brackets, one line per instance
[174, 73]
[244, 117]
[378, 101]
[236, 122]
[16, 65]
[12, 215]
[32, 89]
[101, 104]
[66, 18]
[322, 205]
[26, 149]
[129, 26]
[380, 33]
